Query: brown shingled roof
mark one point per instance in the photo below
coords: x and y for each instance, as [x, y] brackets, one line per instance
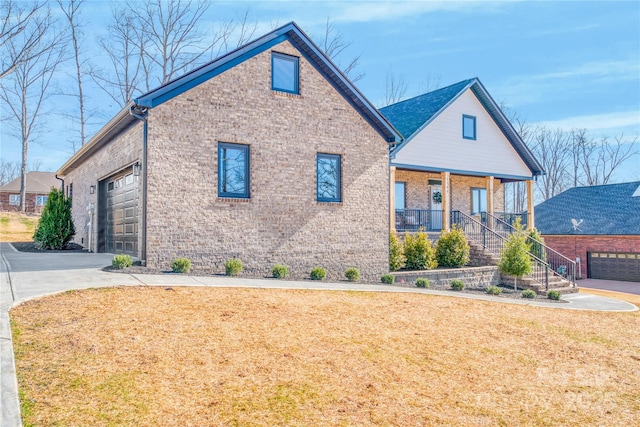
[37, 182]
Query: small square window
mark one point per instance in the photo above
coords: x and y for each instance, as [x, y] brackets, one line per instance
[14, 199]
[233, 170]
[328, 178]
[468, 127]
[41, 200]
[284, 73]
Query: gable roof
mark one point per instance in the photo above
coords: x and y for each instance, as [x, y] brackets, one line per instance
[412, 115]
[167, 91]
[37, 182]
[611, 209]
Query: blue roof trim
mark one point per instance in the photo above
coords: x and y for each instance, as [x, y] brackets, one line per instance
[413, 115]
[309, 50]
[461, 172]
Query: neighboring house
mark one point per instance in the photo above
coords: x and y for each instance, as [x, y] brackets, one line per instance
[268, 153]
[598, 224]
[39, 185]
[458, 150]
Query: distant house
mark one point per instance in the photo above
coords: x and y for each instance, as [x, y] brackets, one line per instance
[598, 224]
[458, 150]
[268, 153]
[39, 185]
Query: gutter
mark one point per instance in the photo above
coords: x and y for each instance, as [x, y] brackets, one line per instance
[141, 113]
[61, 182]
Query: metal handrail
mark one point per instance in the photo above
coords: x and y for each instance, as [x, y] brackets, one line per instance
[494, 242]
[417, 219]
[561, 266]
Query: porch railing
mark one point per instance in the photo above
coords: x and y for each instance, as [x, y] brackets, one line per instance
[416, 219]
[560, 265]
[494, 242]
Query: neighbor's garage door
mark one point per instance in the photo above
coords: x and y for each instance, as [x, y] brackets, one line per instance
[121, 213]
[614, 266]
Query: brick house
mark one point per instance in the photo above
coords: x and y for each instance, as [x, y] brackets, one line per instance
[457, 152]
[600, 225]
[268, 153]
[39, 185]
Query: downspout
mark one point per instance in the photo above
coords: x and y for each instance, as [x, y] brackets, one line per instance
[61, 181]
[141, 113]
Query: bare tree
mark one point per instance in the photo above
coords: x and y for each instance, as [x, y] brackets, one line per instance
[9, 171]
[71, 10]
[22, 28]
[553, 150]
[395, 88]
[333, 44]
[26, 88]
[240, 30]
[429, 84]
[598, 160]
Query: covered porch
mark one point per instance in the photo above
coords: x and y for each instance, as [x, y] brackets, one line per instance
[423, 199]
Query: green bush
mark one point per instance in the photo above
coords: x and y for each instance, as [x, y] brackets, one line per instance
[352, 274]
[280, 271]
[452, 248]
[536, 243]
[55, 226]
[233, 267]
[396, 253]
[181, 265]
[553, 294]
[422, 282]
[121, 261]
[457, 285]
[388, 279]
[515, 259]
[528, 293]
[318, 273]
[418, 252]
[493, 290]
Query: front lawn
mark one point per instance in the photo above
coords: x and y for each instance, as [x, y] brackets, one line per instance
[17, 227]
[205, 356]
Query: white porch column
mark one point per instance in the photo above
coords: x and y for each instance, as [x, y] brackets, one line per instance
[530, 216]
[392, 198]
[446, 203]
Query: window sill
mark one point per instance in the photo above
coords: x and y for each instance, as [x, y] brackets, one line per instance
[233, 200]
[281, 94]
[328, 203]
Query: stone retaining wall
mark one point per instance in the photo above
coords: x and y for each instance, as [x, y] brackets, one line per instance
[473, 277]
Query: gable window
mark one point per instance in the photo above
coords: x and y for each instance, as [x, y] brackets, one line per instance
[284, 73]
[478, 200]
[328, 178]
[41, 200]
[233, 170]
[400, 195]
[468, 127]
[14, 199]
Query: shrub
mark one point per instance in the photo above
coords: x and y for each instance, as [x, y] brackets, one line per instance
[553, 294]
[452, 249]
[388, 279]
[418, 252]
[181, 265]
[55, 226]
[493, 290]
[121, 261]
[515, 259]
[233, 267]
[280, 271]
[536, 243]
[318, 273]
[352, 274]
[396, 253]
[422, 282]
[528, 293]
[457, 285]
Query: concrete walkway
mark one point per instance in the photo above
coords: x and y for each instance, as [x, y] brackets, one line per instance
[24, 276]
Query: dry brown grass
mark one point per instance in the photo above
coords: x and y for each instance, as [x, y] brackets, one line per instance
[17, 227]
[204, 356]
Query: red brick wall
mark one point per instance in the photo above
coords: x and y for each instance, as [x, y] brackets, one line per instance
[30, 208]
[578, 246]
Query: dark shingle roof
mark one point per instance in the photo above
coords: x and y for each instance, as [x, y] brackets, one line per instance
[409, 115]
[604, 210]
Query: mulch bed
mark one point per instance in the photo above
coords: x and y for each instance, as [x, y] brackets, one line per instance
[31, 247]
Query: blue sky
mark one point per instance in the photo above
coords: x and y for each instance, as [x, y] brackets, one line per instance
[568, 64]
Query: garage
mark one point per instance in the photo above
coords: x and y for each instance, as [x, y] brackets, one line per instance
[118, 213]
[614, 266]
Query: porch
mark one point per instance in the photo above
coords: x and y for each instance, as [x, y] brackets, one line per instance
[430, 220]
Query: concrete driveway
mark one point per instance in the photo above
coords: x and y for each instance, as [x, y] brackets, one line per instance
[29, 275]
[610, 285]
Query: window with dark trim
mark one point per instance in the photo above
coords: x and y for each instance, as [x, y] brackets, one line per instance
[478, 200]
[285, 73]
[468, 127]
[233, 170]
[328, 178]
